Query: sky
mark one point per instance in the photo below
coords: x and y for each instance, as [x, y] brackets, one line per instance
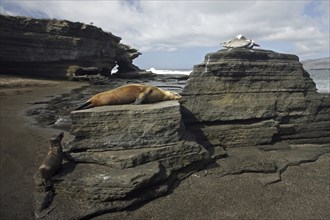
[177, 34]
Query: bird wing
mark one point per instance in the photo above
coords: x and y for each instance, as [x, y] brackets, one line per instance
[225, 43]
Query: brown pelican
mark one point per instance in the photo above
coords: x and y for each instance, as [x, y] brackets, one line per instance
[239, 42]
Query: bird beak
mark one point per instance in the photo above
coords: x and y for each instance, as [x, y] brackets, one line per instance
[257, 45]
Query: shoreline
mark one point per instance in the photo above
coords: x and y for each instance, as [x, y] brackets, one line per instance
[23, 143]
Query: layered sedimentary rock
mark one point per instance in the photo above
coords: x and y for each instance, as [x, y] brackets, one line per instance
[123, 155]
[49, 47]
[261, 107]
[242, 98]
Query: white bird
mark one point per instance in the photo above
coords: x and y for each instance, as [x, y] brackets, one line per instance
[239, 42]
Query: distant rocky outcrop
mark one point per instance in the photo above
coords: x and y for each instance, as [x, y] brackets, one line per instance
[53, 48]
[124, 155]
[317, 64]
[240, 98]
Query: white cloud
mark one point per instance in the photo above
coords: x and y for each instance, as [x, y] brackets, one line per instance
[172, 25]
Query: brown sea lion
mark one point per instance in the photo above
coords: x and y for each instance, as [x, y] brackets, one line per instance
[132, 93]
[53, 161]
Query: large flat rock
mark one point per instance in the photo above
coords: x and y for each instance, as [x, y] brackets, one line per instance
[126, 126]
[87, 190]
[97, 183]
[173, 156]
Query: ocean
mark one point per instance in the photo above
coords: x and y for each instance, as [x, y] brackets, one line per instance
[321, 77]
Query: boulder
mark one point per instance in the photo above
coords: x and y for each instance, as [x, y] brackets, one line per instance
[242, 98]
[124, 155]
[121, 127]
[51, 48]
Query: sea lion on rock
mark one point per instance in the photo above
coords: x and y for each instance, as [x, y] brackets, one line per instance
[53, 161]
[132, 93]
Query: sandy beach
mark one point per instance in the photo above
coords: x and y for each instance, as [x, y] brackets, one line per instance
[23, 143]
[303, 192]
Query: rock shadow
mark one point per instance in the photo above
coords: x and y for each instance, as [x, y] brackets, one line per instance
[198, 135]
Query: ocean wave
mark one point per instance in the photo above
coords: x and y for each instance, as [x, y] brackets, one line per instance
[185, 72]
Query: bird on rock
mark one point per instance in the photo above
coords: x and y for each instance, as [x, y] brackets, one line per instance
[239, 42]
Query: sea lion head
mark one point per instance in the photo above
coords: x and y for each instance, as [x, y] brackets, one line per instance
[56, 139]
[173, 95]
[155, 94]
[170, 95]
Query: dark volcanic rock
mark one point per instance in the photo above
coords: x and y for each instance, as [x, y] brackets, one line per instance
[242, 98]
[262, 107]
[124, 136]
[246, 111]
[138, 121]
[123, 155]
[272, 162]
[51, 48]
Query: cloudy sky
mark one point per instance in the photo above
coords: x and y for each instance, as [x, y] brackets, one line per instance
[177, 34]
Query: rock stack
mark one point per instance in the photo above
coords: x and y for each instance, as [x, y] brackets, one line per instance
[124, 155]
[240, 98]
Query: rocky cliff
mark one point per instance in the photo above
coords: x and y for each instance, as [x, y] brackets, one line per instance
[241, 98]
[50, 48]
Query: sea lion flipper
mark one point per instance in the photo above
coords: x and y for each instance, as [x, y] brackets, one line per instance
[86, 105]
[139, 100]
[142, 96]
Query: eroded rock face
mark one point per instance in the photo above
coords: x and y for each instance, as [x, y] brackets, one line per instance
[121, 127]
[51, 47]
[241, 98]
[124, 155]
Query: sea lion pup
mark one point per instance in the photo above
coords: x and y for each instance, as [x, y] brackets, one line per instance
[53, 161]
[132, 93]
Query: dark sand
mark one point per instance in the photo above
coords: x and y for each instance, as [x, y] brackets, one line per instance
[23, 144]
[303, 192]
